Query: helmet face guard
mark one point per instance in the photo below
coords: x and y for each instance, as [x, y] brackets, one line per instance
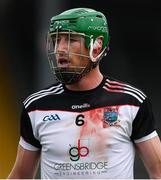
[65, 70]
[87, 24]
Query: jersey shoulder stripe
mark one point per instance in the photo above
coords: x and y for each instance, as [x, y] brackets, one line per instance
[116, 86]
[54, 89]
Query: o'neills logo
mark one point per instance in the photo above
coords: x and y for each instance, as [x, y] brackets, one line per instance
[81, 166]
[81, 106]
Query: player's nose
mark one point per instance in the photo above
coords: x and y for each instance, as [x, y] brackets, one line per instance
[62, 45]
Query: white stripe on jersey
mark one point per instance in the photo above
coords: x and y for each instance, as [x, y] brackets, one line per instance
[26, 145]
[39, 95]
[42, 91]
[123, 84]
[123, 91]
[145, 138]
[126, 88]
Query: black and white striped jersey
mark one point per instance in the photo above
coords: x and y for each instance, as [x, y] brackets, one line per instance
[87, 134]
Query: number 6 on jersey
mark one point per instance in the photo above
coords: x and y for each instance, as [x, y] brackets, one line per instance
[80, 120]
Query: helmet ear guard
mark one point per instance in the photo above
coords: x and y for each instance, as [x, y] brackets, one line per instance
[96, 44]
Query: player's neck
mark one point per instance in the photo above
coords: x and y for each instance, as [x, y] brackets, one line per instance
[88, 82]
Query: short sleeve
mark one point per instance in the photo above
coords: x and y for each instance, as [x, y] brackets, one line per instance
[144, 122]
[26, 130]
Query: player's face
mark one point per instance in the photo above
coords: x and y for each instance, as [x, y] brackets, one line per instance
[70, 50]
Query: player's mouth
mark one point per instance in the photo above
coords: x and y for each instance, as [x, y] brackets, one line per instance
[63, 63]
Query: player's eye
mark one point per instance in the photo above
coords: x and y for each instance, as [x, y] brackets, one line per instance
[75, 38]
[53, 38]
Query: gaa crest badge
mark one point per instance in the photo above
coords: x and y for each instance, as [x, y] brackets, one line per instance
[111, 115]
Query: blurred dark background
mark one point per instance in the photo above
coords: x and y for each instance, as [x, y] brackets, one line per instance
[135, 52]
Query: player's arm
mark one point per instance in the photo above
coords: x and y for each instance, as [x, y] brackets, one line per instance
[28, 151]
[150, 153]
[26, 164]
[146, 139]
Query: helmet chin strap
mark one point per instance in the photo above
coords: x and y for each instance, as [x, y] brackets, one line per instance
[95, 59]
